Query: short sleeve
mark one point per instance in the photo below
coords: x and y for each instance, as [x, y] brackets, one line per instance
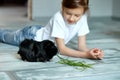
[84, 29]
[57, 30]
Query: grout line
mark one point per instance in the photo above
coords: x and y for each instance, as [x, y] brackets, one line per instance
[12, 75]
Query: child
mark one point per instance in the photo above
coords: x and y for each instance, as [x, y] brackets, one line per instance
[61, 28]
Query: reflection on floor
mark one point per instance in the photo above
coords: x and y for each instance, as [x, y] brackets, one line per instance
[104, 34]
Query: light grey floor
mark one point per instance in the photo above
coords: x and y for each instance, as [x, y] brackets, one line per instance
[105, 34]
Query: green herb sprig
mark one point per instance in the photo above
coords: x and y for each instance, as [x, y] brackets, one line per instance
[74, 63]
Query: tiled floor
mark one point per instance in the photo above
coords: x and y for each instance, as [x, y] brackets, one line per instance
[105, 34]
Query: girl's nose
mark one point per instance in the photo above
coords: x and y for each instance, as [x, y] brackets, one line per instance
[71, 18]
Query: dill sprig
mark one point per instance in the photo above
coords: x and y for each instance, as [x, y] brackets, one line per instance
[74, 63]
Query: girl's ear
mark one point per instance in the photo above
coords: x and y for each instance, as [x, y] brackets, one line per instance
[62, 8]
[87, 2]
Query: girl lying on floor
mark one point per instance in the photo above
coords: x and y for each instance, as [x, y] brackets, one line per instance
[62, 27]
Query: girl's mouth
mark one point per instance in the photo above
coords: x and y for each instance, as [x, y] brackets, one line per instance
[70, 22]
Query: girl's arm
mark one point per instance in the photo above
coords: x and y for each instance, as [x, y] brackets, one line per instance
[94, 53]
[82, 44]
[83, 51]
[64, 50]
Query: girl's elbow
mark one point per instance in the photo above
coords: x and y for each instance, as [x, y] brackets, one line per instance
[61, 51]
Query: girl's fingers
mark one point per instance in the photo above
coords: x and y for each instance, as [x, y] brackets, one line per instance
[93, 54]
[101, 55]
[97, 53]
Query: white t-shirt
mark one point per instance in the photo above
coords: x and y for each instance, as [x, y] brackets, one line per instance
[58, 27]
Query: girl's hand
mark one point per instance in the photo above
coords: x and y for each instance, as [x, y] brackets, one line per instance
[96, 53]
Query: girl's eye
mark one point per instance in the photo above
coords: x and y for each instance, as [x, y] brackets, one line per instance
[77, 15]
[68, 13]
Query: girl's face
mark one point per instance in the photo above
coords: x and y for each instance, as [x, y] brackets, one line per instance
[72, 15]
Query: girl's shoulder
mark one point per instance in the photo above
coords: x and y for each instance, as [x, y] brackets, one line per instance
[57, 19]
[58, 16]
[83, 18]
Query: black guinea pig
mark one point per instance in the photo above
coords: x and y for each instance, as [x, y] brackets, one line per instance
[34, 51]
